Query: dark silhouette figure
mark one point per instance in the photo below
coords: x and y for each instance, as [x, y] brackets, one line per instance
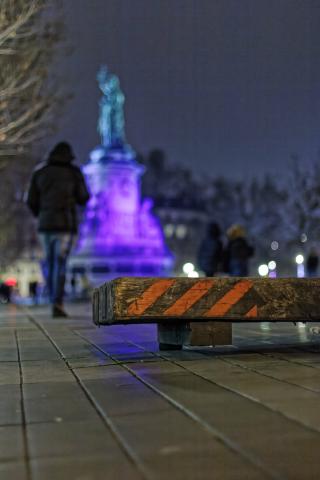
[33, 291]
[312, 263]
[73, 283]
[5, 293]
[57, 187]
[237, 252]
[211, 251]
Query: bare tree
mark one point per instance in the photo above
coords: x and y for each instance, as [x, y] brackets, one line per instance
[301, 209]
[29, 34]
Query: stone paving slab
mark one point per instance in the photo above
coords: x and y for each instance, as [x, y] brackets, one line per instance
[9, 373]
[11, 443]
[36, 350]
[183, 448]
[305, 376]
[56, 402]
[43, 371]
[98, 359]
[95, 467]
[297, 357]
[292, 401]
[13, 470]
[63, 439]
[78, 402]
[265, 434]
[10, 404]
[119, 393]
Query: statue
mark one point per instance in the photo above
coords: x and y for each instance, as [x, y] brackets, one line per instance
[119, 235]
[111, 120]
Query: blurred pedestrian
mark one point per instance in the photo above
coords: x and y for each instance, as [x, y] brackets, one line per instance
[85, 286]
[33, 291]
[57, 187]
[210, 253]
[5, 293]
[312, 263]
[237, 252]
[73, 284]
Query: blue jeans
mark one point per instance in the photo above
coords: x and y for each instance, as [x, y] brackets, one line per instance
[57, 247]
[238, 268]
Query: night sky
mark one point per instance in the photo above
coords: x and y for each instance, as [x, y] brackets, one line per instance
[231, 87]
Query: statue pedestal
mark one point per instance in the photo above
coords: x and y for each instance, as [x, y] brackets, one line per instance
[119, 235]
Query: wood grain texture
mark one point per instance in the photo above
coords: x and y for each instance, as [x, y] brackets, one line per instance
[211, 333]
[152, 300]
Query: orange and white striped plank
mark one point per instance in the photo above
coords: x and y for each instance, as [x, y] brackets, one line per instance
[147, 300]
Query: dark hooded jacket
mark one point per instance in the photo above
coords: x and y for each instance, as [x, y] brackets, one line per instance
[56, 188]
[210, 251]
[236, 256]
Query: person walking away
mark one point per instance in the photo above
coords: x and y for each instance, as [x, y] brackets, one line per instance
[57, 187]
[312, 263]
[73, 284]
[33, 291]
[85, 286]
[211, 251]
[238, 252]
[5, 293]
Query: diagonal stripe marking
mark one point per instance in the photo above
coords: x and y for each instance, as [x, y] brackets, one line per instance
[229, 299]
[253, 312]
[149, 296]
[189, 298]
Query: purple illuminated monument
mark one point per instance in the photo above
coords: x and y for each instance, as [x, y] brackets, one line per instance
[119, 234]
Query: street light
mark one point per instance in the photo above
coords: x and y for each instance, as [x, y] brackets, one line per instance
[263, 270]
[193, 274]
[188, 268]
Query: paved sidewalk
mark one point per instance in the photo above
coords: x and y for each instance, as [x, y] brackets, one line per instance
[78, 402]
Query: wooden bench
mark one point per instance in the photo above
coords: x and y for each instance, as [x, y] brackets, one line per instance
[210, 305]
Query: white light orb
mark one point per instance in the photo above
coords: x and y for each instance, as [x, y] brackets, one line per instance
[193, 274]
[299, 259]
[304, 238]
[263, 270]
[274, 245]
[272, 265]
[187, 268]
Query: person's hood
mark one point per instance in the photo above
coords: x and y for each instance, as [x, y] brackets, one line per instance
[61, 153]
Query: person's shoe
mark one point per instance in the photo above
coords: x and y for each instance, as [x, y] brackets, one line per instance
[169, 346]
[58, 312]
